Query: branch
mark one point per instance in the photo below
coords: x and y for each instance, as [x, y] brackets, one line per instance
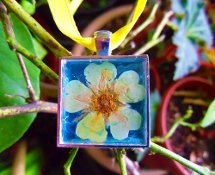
[149, 45]
[37, 106]
[18, 167]
[13, 43]
[148, 21]
[34, 59]
[121, 160]
[31, 92]
[165, 152]
[69, 162]
[36, 28]
[156, 38]
[10, 33]
[176, 124]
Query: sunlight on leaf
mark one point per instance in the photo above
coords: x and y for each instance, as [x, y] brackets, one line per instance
[209, 117]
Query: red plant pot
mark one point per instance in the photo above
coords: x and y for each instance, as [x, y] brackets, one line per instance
[162, 128]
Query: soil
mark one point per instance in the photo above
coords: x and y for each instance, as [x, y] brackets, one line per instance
[197, 146]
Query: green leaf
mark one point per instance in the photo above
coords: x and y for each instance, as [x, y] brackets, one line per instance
[12, 82]
[192, 29]
[28, 6]
[33, 162]
[41, 52]
[209, 117]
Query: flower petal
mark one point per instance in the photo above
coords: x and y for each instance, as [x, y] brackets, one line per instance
[92, 127]
[128, 88]
[93, 72]
[77, 96]
[129, 77]
[129, 93]
[133, 117]
[134, 94]
[118, 126]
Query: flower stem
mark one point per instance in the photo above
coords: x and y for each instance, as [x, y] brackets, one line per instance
[69, 162]
[36, 28]
[121, 160]
[160, 150]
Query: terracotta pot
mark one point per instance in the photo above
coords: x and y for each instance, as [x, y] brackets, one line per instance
[188, 82]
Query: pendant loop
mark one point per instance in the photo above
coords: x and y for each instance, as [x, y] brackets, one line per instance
[102, 42]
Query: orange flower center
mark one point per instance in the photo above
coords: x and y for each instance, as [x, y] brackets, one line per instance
[104, 102]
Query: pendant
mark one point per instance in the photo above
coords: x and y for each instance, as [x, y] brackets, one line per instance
[104, 100]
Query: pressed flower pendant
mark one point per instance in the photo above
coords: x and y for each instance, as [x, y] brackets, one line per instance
[104, 101]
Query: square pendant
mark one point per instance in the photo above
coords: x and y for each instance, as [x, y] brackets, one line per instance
[104, 101]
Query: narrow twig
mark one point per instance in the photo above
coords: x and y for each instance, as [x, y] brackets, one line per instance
[36, 28]
[13, 43]
[149, 45]
[31, 92]
[34, 59]
[148, 21]
[171, 131]
[69, 162]
[121, 160]
[131, 166]
[156, 38]
[162, 24]
[37, 106]
[165, 152]
[18, 167]
[10, 33]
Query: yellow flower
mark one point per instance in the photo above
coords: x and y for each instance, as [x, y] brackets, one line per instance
[104, 102]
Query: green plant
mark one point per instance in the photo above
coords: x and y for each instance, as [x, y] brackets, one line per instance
[193, 31]
[20, 79]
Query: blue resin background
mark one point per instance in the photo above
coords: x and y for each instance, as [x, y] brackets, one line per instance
[73, 69]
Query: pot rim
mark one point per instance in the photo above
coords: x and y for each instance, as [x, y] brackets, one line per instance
[161, 122]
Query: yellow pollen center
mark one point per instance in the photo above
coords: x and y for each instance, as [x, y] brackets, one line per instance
[104, 102]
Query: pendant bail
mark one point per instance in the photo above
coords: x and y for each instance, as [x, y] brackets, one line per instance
[102, 41]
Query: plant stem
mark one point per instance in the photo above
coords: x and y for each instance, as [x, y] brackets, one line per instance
[121, 160]
[149, 45]
[31, 92]
[10, 33]
[168, 134]
[162, 24]
[171, 131]
[36, 106]
[156, 38]
[18, 167]
[69, 162]
[148, 21]
[13, 43]
[36, 28]
[160, 150]
[34, 59]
